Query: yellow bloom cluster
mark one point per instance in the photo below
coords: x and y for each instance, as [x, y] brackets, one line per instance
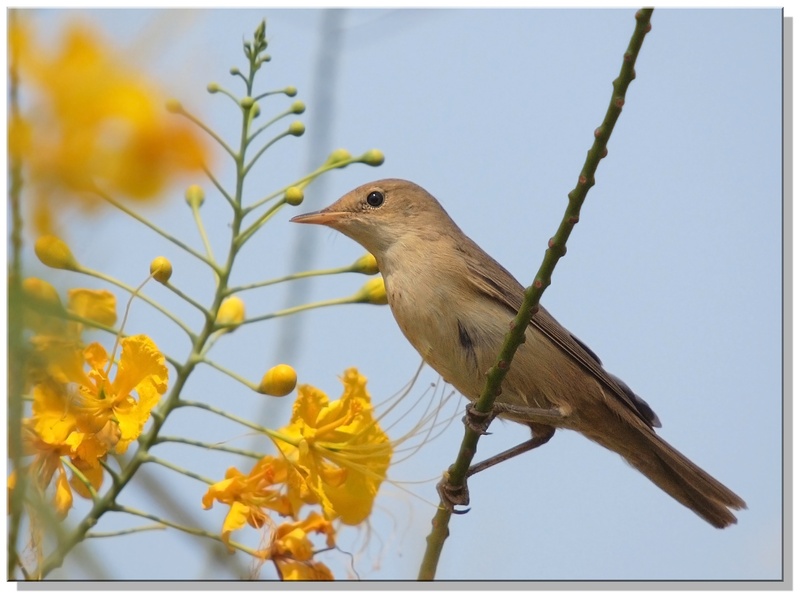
[78, 410]
[89, 120]
[332, 454]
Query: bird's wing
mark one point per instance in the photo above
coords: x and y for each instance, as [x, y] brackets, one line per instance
[506, 290]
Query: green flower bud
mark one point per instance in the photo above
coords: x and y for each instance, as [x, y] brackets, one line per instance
[290, 91]
[373, 157]
[366, 264]
[294, 196]
[298, 107]
[374, 291]
[195, 196]
[339, 155]
[297, 128]
[174, 106]
[212, 87]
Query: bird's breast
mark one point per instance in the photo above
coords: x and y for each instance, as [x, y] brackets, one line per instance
[454, 334]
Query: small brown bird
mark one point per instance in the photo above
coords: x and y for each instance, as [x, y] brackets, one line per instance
[453, 302]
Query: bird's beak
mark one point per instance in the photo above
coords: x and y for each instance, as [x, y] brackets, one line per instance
[321, 217]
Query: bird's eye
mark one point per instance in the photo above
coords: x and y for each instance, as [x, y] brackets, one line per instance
[375, 199]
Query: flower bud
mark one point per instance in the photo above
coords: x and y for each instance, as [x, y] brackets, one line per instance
[366, 264]
[247, 102]
[53, 252]
[195, 196]
[231, 313]
[294, 196]
[339, 155]
[161, 269]
[298, 107]
[174, 106]
[373, 157]
[290, 91]
[279, 381]
[374, 291]
[297, 128]
[212, 87]
[41, 292]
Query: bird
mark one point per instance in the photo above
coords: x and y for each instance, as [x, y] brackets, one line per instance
[453, 303]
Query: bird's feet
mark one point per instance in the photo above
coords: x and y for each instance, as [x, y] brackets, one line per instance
[453, 495]
[478, 421]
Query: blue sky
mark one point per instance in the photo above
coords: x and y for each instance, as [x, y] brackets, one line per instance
[673, 275]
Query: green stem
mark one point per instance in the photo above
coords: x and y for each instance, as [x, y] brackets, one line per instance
[208, 130]
[268, 124]
[172, 400]
[298, 308]
[154, 228]
[220, 188]
[266, 146]
[231, 374]
[188, 299]
[17, 353]
[456, 475]
[295, 276]
[126, 532]
[180, 470]
[212, 447]
[133, 291]
[198, 220]
[186, 529]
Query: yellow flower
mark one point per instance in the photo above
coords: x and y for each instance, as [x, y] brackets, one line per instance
[91, 413]
[338, 449]
[293, 552]
[251, 494]
[91, 120]
[88, 414]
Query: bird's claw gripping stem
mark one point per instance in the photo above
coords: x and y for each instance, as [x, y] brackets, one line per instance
[478, 421]
[452, 495]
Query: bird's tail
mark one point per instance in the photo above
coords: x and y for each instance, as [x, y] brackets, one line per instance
[670, 470]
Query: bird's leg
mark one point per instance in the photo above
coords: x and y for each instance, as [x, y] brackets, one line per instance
[479, 421]
[452, 495]
[541, 434]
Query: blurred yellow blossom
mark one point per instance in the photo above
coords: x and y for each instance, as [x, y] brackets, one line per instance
[90, 120]
[56, 341]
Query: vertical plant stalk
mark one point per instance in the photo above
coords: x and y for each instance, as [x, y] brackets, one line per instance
[16, 347]
[108, 501]
[557, 247]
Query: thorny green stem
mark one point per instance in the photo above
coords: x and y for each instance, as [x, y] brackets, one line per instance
[557, 246]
